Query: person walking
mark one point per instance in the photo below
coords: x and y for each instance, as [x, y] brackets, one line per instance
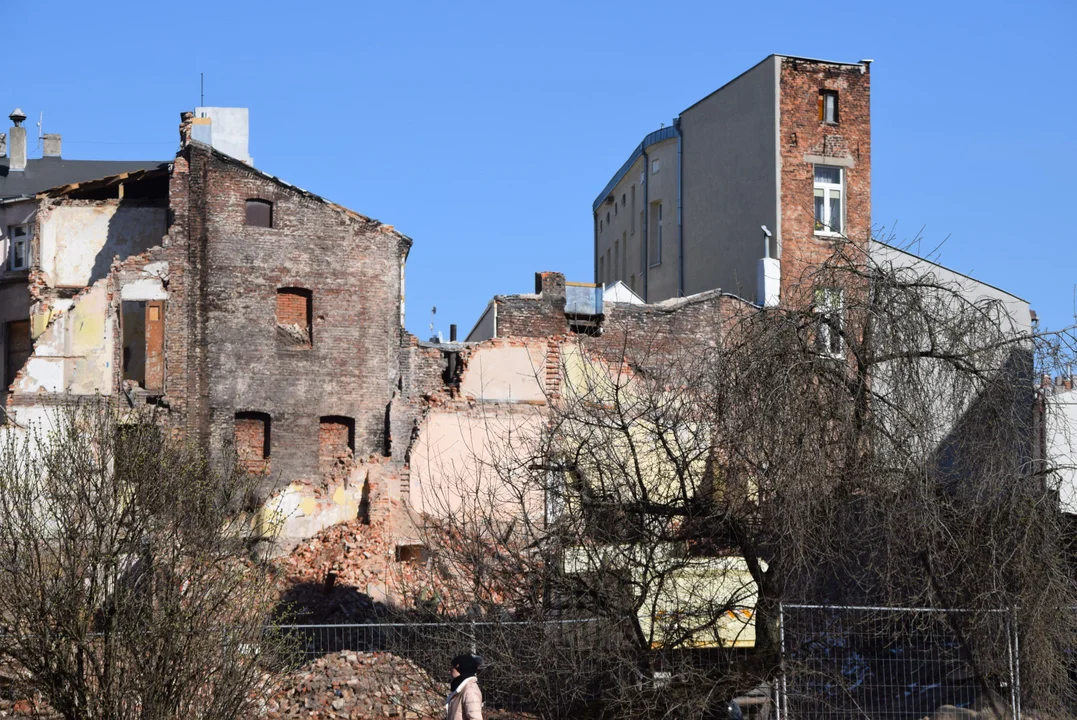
[465, 698]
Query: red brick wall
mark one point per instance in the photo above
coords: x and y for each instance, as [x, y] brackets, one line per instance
[801, 134]
[334, 438]
[251, 443]
[292, 308]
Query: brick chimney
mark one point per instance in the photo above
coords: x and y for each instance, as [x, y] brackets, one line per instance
[51, 142]
[550, 284]
[18, 140]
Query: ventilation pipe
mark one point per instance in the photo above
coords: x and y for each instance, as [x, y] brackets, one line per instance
[768, 275]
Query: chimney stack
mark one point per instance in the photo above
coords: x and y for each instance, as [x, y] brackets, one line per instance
[18, 140]
[3, 144]
[51, 145]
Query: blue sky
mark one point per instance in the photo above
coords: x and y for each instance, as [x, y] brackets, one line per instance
[485, 130]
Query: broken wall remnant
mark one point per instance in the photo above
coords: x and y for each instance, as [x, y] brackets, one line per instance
[80, 238]
[74, 353]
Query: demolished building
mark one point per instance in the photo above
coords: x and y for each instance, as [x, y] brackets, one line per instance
[257, 316]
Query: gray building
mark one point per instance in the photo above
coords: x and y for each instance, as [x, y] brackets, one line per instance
[785, 145]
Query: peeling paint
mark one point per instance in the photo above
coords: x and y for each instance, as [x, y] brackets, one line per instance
[74, 352]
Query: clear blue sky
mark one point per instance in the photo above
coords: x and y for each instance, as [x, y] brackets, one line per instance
[484, 131]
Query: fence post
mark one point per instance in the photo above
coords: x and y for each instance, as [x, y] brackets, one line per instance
[783, 703]
[1016, 664]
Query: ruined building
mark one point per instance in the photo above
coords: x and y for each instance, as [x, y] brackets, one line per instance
[256, 315]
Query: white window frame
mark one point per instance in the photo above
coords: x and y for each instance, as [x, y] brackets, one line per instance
[826, 226]
[25, 241]
[829, 305]
[655, 166]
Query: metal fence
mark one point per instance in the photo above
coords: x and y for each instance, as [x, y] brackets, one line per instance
[838, 662]
[897, 663]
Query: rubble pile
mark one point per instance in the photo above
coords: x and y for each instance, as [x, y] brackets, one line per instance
[359, 686]
[352, 572]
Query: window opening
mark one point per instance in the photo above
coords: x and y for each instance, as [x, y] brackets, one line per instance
[654, 166]
[655, 234]
[252, 439]
[294, 313]
[336, 442]
[17, 348]
[616, 260]
[260, 213]
[633, 209]
[142, 324]
[20, 247]
[828, 205]
[828, 107]
[830, 308]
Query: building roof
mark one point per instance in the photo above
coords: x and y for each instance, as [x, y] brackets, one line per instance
[49, 172]
[652, 139]
[669, 132]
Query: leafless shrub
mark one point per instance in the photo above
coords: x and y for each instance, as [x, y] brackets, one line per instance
[873, 442]
[127, 584]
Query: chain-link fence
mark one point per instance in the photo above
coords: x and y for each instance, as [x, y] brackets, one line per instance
[897, 663]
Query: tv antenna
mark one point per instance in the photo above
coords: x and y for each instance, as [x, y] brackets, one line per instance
[201, 89]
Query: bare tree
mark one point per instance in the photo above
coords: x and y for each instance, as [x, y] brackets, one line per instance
[872, 441]
[127, 583]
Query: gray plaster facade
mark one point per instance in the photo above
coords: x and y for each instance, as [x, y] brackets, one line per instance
[719, 181]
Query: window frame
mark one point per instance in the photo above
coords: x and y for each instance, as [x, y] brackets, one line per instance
[828, 304]
[824, 95]
[24, 241]
[655, 166]
[825, 228]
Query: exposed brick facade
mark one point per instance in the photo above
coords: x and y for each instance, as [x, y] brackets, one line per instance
[222, 346]
[804, 137]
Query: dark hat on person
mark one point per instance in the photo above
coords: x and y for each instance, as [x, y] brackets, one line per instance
[467, 664]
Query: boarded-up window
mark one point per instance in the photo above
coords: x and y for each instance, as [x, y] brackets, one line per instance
[18, 346]
[260, 213]
[336, 442]
[294, 307]
[252, 438]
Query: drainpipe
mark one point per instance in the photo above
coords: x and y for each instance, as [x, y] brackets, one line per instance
[594, 250]
[680, 225]
[646, 223]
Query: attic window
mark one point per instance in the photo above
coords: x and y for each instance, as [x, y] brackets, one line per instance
[260, 213]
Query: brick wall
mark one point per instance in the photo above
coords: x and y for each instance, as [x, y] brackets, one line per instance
[252, 442]
[292, 308]
[802, 136]
[222, 344]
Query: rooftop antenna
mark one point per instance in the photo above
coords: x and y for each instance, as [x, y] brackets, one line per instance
[40, 123]
[433, 312]
[201, 89]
